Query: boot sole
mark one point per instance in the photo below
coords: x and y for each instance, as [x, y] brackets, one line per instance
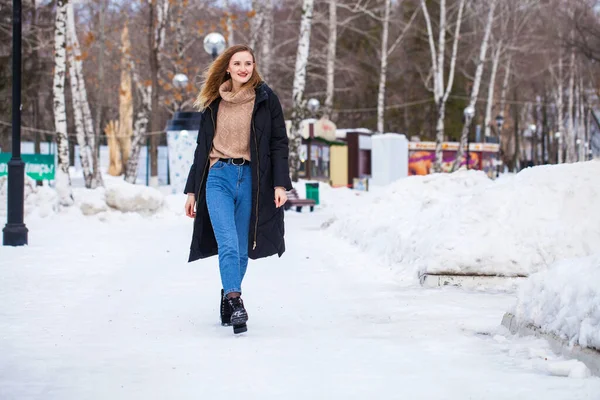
[237, 329]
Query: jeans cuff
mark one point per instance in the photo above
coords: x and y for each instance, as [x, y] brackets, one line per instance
[226, 292]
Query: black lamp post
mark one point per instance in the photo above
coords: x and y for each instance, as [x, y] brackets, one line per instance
[15, 231]
[499, 123]
[469, 112]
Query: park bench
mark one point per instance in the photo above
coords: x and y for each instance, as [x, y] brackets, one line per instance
[295, 201]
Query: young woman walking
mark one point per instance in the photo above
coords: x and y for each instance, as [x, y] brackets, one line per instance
[237, 184]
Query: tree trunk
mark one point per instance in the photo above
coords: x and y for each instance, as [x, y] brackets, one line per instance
[383, 67]
[298, 110]
[267, 40]
[570, 117]
[476, 83]
[63, 180]
[140, 125]
[115, 166]
[491, 88]
[125, 127]
[229, 23]
[256, 21]
[102, 101]
[440, 91]
[331, 50]
[560, 111]
[516, 164]
[77, 97]
[37, 67]
[156, 36]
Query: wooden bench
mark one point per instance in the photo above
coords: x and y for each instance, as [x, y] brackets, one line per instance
[295, 201]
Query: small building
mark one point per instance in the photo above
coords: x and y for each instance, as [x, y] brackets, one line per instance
[353, 160]
[319, 137]
[482, 156]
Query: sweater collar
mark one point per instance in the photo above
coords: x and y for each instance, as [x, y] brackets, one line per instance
[244, 95]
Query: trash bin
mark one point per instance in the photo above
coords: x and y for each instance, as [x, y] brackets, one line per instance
[312, 191]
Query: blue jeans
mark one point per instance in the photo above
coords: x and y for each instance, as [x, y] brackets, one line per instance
[229, 202]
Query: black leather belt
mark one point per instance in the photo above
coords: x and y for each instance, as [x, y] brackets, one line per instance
[235, 161]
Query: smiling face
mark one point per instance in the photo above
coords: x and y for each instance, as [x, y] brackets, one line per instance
[241, 66]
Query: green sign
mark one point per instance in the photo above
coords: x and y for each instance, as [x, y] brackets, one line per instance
[37, 166]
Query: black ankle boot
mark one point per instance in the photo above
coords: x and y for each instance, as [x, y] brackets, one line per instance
[239, 316]
[225, 310]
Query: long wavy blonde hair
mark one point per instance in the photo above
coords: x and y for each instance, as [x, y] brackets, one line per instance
[216, 74]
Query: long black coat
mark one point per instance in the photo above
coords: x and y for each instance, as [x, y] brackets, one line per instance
[269, 154]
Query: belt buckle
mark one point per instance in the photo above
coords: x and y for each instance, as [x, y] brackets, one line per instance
[233, 162]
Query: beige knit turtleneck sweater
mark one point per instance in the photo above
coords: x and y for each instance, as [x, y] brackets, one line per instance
[232, 138]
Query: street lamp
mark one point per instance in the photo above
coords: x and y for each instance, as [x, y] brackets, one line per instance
[578, 142]
[313, 106]
[499, 123]
[15, 231]
[179, 82]
[469, 112]
[214, 44]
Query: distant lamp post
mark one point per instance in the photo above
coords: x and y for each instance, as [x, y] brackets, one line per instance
[214, 44]
[469, 113]
[313, 106]
[15, 231]
[578, 142]
[499, 123]
[179, 82]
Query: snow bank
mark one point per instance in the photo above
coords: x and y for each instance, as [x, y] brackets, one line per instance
[132, 198]
[118, 195]
[465, 223]
[40, 200]
[564, 300]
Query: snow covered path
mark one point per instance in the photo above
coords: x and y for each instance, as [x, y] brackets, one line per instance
[131, 319]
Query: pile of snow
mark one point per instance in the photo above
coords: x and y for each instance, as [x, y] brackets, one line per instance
[465, 223]
[41, 200]
[117, 195]
[127, 197]
[564, 300]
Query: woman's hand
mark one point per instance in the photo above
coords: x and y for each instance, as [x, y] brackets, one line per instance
[280, 196]
[190, 205]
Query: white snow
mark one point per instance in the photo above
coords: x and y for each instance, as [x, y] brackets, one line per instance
[106, 306]
[465, 223]
[99, 310]
[127, 197]
[564, 300]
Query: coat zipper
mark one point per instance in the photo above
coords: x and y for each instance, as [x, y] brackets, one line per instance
[207, 156]
[257, 184]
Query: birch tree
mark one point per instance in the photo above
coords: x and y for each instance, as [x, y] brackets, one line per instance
[570, 138]
[141, 123]
[228, 23]
[441, 91]
[487, 123]
[385, 54]
[299, 104]
[331, 50]
[476, 84]
[266, 39]
[383, 66]
[256, 22]
[80, 92]
[63, 180]
[85, 152]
